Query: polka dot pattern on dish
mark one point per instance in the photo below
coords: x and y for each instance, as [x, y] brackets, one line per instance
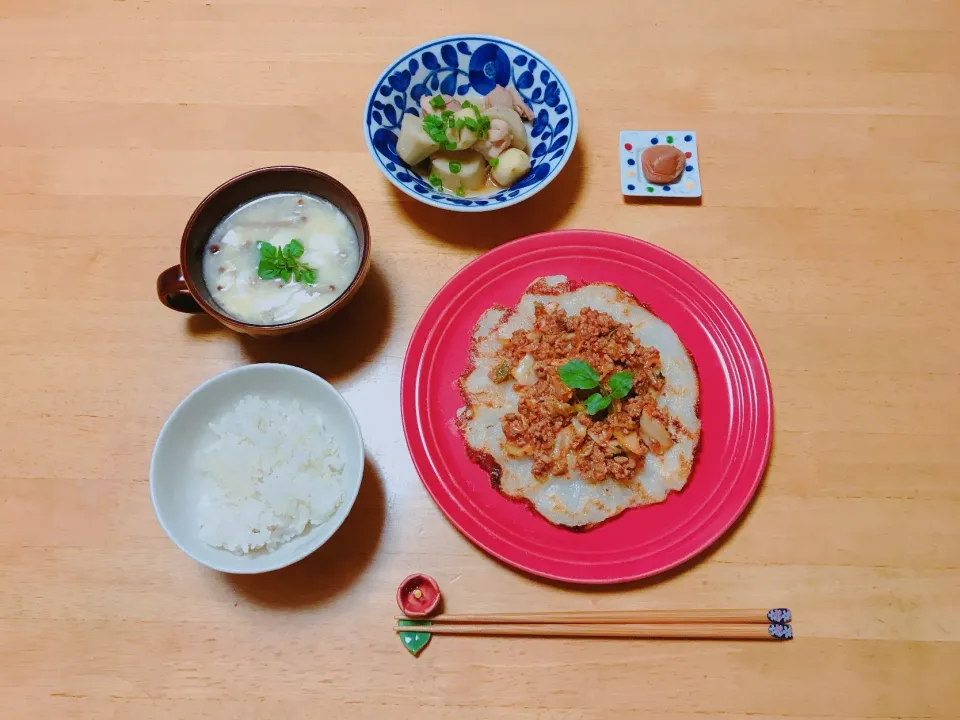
[634, 142]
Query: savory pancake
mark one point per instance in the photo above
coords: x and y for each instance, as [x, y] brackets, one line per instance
[580, 401]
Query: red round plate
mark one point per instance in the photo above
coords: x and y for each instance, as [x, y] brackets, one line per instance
[736, 410]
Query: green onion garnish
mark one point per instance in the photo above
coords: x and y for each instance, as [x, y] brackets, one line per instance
[437, 102]
[454, 167]
[435, 180]
[436, 128]
[484, 126]
[460, 191]
[494, 162]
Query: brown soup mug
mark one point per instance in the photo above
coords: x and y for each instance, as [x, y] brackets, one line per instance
[182, 287]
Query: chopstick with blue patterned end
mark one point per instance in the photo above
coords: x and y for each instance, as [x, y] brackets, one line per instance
[779, 616]
[780, 632]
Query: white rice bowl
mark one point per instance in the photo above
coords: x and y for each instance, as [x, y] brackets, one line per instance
[256, 468]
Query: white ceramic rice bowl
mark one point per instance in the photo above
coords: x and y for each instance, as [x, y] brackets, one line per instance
[174, 482]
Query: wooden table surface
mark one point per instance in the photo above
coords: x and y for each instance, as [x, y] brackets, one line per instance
[831, 166]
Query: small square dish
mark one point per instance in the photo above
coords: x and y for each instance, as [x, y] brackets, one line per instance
[632, 181]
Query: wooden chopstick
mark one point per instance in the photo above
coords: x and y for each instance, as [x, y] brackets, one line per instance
[760, 617]
[693, 631]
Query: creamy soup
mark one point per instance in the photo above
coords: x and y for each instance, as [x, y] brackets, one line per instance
[280, 258]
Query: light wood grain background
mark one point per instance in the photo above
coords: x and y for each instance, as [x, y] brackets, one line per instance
[831, 166]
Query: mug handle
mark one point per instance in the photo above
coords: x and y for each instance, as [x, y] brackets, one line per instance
[172, 291]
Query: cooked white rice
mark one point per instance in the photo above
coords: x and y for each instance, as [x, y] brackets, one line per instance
[272, 472]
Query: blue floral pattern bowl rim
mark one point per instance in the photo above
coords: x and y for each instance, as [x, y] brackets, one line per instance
[395, 65]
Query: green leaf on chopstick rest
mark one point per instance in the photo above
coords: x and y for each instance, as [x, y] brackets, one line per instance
[414, 642]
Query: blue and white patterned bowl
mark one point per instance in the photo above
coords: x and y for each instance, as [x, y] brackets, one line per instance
[462, 64]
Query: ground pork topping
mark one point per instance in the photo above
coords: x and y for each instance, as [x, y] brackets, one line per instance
[560, 427]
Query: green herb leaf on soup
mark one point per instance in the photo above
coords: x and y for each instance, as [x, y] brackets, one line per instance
[267, 251]
[437, 102]
[620, 384]
[294, 248]
[284, 263]
[596, 402]
[578, 375]
[267, 270]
